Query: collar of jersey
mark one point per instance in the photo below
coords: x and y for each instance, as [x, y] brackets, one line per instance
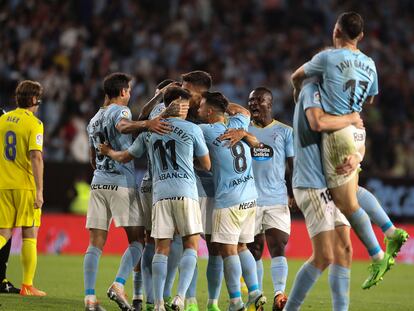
[25, 110]
[260, 127]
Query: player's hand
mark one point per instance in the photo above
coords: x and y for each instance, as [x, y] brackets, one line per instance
[38, 200]
[292, 204]
[159, 126]
[233, 136]
[104, 148]
[357, 121]
[350, 164]
[176, 108]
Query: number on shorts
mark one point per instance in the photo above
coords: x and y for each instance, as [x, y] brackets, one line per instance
[10, 145]
[240, 162]
[326, 196]
[353, 84]
[163, 154]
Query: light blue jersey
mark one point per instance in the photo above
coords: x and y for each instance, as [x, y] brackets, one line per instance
[205, 184]
[232, 167]
[269, 162]
[171, 157]
[156, 111]
[349, 77]
[102, 128]
[307, 169]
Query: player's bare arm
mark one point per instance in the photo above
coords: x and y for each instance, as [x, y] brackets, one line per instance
[289, 172]
[233, 109]
[36, 160]
[320, 121]
[156, 125]
[233, 136]
[92, 157]
[296, 79]
[120, 156]
[149, 106]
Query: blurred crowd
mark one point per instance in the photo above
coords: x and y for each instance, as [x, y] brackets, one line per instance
[69, 46]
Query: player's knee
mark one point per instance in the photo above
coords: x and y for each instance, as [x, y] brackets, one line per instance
[323, 260]
[256, 250]
[343, 255]
[278, 250]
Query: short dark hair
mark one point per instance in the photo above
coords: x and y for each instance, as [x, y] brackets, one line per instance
[351, 24]
[198, 78]
[216, 99]
[174, 92]
[164, 83]
[265, 90]
[115, 82]
[25, 91]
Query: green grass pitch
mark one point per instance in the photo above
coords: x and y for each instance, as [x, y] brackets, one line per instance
[61, 277]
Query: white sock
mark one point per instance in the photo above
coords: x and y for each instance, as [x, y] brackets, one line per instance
[378, 256]
[390, 232]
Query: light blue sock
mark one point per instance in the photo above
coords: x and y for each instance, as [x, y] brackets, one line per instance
[188, 263]
[259, 269]
[248, 265]
[159, 273]
[90, 269]
[146, 268]
[305, 278]
[176, 252]
[339, 278]
[374, 210]
[214, 276]
[138, 288]
[279, 269]
[232, 275]
[192, 289]
[128, 261]
[362, 226]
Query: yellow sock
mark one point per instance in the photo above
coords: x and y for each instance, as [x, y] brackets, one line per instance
[3, 241]
[29, 260]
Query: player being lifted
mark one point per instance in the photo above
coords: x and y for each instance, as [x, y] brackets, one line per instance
[235, 195]
[272, 211]
[176, 204]
[349, 79]
[113, 194]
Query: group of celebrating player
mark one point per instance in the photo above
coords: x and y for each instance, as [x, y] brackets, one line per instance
[218, 169]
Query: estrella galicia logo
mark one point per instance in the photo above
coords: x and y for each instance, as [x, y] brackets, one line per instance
[262, 153]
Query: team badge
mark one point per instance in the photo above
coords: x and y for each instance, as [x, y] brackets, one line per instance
[316, 97]
[125, 114]
[262, 153]
[39, 139]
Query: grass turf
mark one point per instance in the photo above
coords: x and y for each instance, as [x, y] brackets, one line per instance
[61, 277]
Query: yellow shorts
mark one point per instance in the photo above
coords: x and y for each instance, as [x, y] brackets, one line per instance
[17, 209]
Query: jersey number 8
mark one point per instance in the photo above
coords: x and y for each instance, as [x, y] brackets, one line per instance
[10, 145]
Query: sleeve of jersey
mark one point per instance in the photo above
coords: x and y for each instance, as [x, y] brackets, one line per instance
[36, 137]
[239, 121]
[158, 109]
[374, 86]
[200, 146]
[123, 113]
[138, 147]
[311, 98]
[316, 65]
[289, 151]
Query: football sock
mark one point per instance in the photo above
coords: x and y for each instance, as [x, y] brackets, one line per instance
[192, 289]
[159, 273]
[129, 260]
[361, 224]
[146, 268]
[29, 260]
[339, 278]
[188, 263]
[259, 269]
[279, 270]
[248, 265]
[90, 269]
[232, 274]
[176, 251]
[138, 288]
[3, 241]
[214, 278]
[375, 212]
[305, 278]
[4, 258]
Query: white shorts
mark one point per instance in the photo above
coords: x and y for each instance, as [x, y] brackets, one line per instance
[235, 224]
[145, 197]
[112, 202]
[274, 216]
[319, 210]
[206, 207]
[336, 146]
[180, 213]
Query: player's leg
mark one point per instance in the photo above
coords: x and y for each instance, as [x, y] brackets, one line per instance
[174, 257]
[137, 286]
[191, 295]
[6, 287]
[214, 274]
[257, 246]
[146, 268]
[394, 237]
[8, 216]
[340, 269]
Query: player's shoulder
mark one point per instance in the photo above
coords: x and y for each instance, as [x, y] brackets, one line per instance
[282, 126]
[118, 109]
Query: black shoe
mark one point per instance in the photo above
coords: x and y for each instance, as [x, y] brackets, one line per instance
[8, 288]
[137, 304]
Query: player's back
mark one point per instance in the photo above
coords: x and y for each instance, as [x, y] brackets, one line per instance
[307, 169]
[231, 166]
[349, 77]
[102, 129]
[20, 132]
[172, 160]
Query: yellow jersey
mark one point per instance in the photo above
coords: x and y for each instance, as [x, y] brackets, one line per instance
[20, 132]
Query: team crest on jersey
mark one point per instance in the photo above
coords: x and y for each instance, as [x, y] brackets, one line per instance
[125, 114]
[316, 97]
[39, 139]
[262, 153]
